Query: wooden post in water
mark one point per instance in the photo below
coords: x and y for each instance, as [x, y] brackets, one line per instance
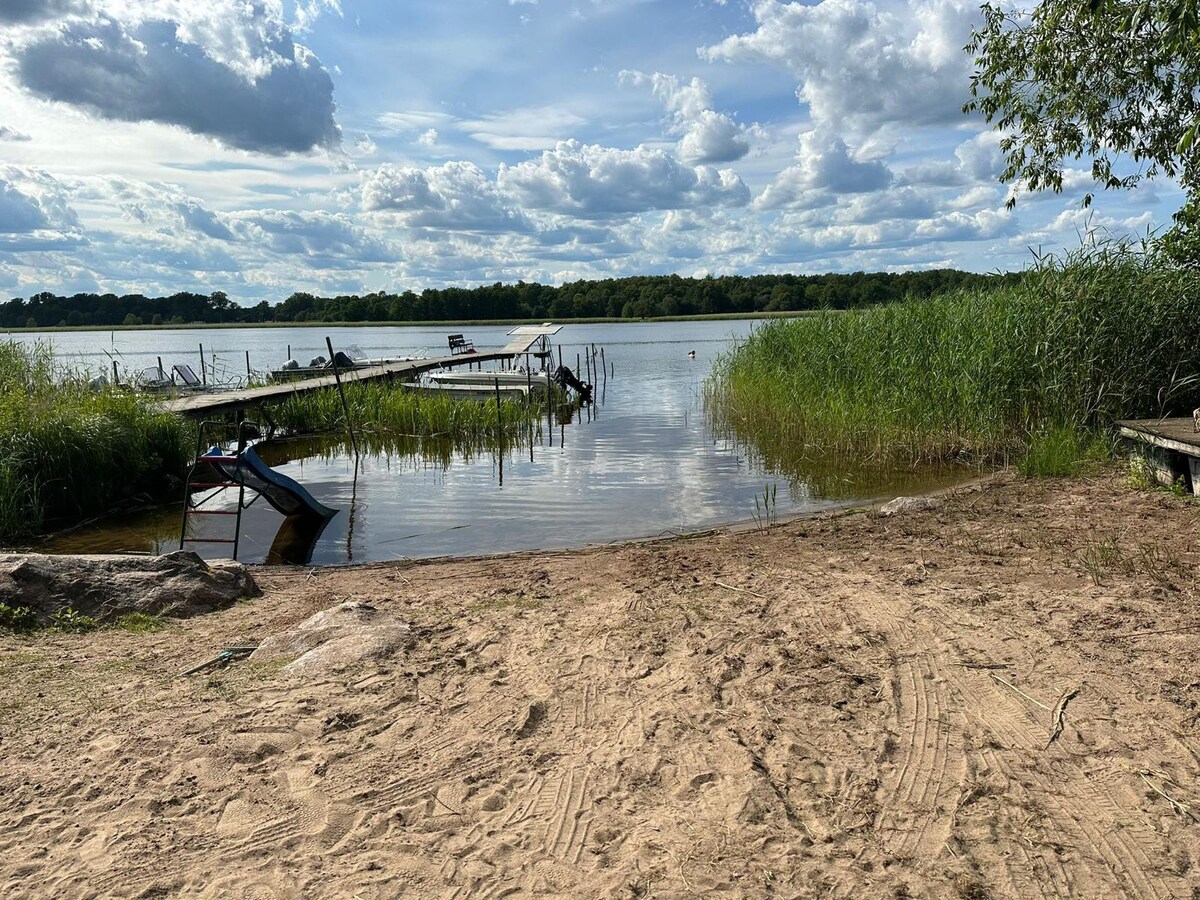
[560, 356]
[161, 374]
[337, 376]
[203, 376]
[499, 433]
[115, 379]
[603, 367]
[248, 373]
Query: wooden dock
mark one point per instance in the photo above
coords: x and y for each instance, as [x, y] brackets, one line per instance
[1171, 448]
[218, 403]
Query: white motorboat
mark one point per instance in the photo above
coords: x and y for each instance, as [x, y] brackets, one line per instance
[514, 378]
[485, 393]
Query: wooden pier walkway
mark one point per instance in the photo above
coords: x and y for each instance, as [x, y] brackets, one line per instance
[217, 403]
[1171, 447]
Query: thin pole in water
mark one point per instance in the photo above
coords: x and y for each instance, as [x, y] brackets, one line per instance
[337, 376]
[161, 375]
[603, 367]
[499, 433]
[247, 364]
[203, 376]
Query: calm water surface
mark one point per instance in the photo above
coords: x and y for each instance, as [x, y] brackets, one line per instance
[641, 462]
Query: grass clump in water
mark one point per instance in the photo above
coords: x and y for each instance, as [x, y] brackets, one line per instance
[1028, 371]
[68, 451]
[390, 408]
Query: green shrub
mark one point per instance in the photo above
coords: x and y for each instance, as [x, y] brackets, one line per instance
[20, 619]
[69, 620]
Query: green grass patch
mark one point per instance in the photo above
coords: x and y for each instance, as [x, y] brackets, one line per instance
[1026, 372]
[139, 623]
[68, 451]
[392, 409]
[1061, 451]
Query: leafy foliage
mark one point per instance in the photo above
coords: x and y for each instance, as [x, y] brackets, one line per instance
[20, 619]
[1098, 79]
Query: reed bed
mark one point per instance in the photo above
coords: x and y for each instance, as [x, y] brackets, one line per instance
[1032, 372]
[68, 452]
[390, 408]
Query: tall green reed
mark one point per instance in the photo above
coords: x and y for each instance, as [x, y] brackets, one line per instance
[382, 407]
[68, 451]
[1099, 335]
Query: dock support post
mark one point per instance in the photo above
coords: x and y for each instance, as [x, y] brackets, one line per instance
[337, 376]
[203, 375]
[248, 373]
[499, 433]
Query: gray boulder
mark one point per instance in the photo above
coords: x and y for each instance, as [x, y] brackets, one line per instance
[108, 586]
[342, 637]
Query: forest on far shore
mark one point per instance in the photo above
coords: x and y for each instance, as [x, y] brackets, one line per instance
[637, 297]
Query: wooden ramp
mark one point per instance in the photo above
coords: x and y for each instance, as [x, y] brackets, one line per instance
[1171, 447]
[217, 403]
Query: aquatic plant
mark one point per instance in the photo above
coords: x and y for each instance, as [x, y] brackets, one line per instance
[983, 373]
[68, 451]
[392, 408]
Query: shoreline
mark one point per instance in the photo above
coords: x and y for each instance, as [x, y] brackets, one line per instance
[436, 323]
[855, 700]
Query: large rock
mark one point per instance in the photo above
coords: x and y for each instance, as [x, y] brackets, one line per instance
[342, 637]
[108, 586]
[909, 504]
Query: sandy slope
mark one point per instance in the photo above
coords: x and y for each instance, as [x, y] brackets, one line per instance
[813, 712]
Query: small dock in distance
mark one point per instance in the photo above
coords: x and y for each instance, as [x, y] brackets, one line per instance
[216, 403]
[1171, 448]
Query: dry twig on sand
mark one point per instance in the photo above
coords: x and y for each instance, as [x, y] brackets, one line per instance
[1181, 809]
[1058, 719]
[1013, 687]
[740, 590]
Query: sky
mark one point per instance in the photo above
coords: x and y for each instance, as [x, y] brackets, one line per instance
[262, 147]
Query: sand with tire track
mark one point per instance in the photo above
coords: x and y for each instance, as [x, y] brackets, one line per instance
[998, 698]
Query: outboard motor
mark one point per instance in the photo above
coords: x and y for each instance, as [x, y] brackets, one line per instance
[316, 362]
[565, 378]
[290, 365]
[343, 360]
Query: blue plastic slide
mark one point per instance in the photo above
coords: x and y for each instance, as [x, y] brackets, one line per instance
[283, 493]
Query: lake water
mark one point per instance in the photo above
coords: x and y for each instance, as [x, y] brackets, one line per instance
[640, 462]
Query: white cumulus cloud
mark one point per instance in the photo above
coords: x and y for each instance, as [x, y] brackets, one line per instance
[226, 69]
[589, 181]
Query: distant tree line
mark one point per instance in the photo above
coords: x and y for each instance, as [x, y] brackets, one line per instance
[625, 298]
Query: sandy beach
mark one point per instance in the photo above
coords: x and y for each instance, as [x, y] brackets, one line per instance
[996, 698]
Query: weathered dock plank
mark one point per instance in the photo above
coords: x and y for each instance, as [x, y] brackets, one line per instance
[1171, 447]
[198, 406]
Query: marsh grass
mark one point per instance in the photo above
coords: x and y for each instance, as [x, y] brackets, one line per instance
[68, 452]
[1020, 372]
[385, 408]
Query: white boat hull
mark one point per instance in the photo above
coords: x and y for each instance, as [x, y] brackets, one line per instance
[538, 380]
